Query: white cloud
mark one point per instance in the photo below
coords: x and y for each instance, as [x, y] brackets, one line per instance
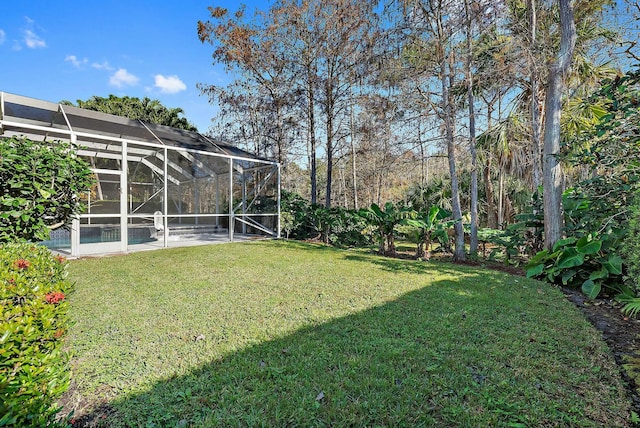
[30, 38]
[102, 66]
[75, 61]
[123, 78]
[169, 84]
[3, 36]
[33, 41]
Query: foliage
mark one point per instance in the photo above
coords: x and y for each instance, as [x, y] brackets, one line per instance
[521, 239]
[336, 226]
[631, 248]
[597, 208]
[145, 109]
[296, 210]
[631, 257]
[40, 183]
[387, 342]
[428, 226]
[437, 192]
[584, 262]
[34, 368]
[340, 227]
[385, 220]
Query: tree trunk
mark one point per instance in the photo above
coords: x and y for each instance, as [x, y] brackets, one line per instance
[473, 241]
[536, 121]
[312, 141]
[354, 175]
[552, 169]
[329, 113]
[449, 125]
[492, 220]
[500, 199]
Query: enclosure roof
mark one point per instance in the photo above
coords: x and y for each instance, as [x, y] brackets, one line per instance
[24, 115]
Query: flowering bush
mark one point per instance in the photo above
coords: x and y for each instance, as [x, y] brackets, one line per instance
[34, 368]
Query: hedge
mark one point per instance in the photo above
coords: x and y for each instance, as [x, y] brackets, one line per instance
[34, 368]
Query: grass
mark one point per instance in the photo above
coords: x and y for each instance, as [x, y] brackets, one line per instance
[291, 334]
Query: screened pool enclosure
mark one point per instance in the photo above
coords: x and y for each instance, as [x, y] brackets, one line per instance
[155, 186]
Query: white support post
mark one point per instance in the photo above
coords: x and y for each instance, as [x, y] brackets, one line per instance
[75, 236]
[124, 196]
[165, 201]
[196, 198]
[279, 199]
[217, 199]
[244, 202]
[75, 222]
[231, 216]
[179, 204]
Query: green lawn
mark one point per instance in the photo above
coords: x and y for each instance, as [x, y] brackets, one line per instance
[277, 333]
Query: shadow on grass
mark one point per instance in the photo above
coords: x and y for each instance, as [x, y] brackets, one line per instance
[409, 362]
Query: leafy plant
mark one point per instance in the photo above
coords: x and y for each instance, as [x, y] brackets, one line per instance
[582, 262]
[385, 220]
[631, 254]
[297, 213]
[429, 226]
[34, 369]
[522, 239]
[40, 184]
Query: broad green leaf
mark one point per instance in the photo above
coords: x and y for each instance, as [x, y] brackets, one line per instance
[570, 258]
[540, 257]
[586, 247]
[568, 275]
[564, 242]
[599, 274]
[591, 289]
[614, 264]
[535, 271]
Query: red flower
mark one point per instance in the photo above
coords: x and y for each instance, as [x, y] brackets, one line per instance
[58, 333]
[55, 297]
[60, 259]
[22, 264]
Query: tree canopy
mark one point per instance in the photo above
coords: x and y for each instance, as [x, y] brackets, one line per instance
[145, 109]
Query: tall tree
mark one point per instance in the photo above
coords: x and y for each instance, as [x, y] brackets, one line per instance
[346, 32]
[552, 169]
[434, 50]
[253, 50]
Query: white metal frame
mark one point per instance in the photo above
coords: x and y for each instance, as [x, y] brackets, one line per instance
[156, 158]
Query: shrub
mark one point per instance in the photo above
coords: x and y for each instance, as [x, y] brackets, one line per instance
[40, 184]
[631, 249]
[34, 368]
[344, 228]
[297, 213]
[335, 226]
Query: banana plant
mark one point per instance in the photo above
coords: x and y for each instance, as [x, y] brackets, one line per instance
[430, 226]
[385, 220]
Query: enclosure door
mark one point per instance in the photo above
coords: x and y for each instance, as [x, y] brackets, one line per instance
[102, 228]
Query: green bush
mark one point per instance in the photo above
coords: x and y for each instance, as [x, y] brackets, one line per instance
[336, 226]
[630, 295]
[40, 184]
[631, 249]
[297, 213]
[34, 369]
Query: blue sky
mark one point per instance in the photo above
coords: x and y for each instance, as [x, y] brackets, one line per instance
[71, 50]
